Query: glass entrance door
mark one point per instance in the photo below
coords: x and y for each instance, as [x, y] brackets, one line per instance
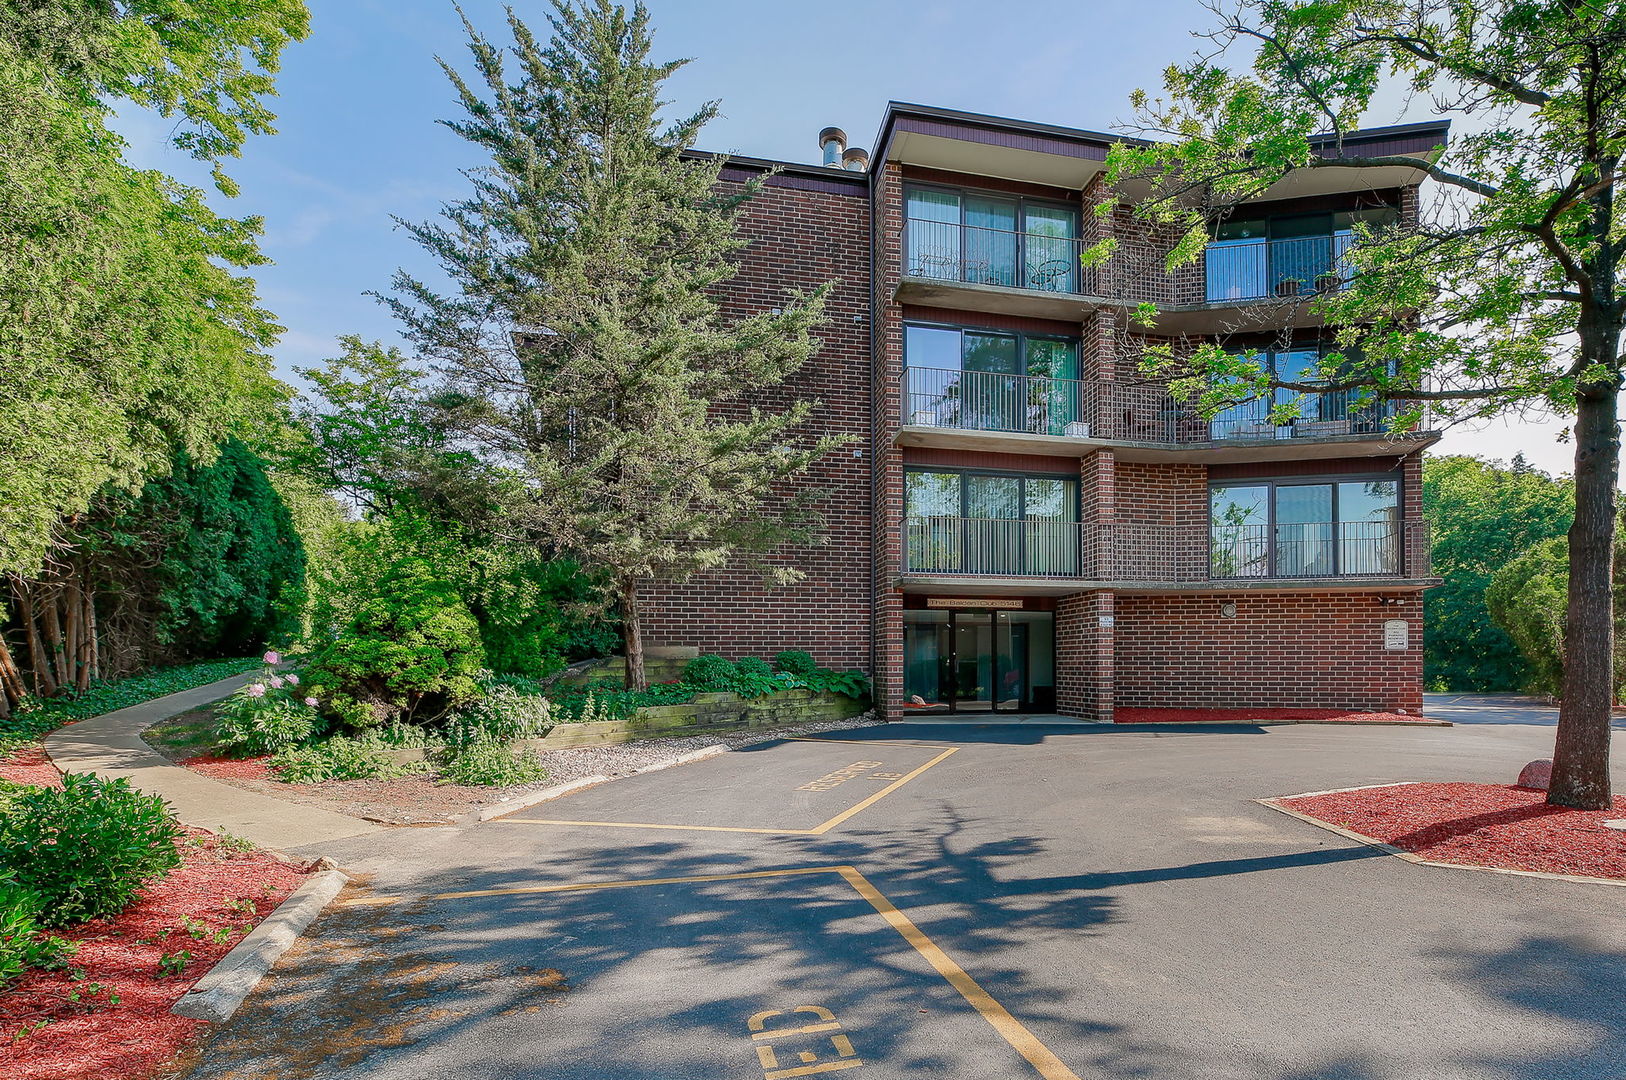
[979, 661]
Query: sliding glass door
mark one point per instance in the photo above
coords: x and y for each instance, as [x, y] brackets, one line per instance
[979, 661]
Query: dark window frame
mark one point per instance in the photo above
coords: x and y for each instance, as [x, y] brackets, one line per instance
[1022, 202]
[1273, 483]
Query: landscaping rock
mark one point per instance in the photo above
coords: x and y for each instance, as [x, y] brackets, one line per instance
[1537, 775]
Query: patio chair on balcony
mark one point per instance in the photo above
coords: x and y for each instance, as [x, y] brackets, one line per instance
[940, 267]
[1048, 275]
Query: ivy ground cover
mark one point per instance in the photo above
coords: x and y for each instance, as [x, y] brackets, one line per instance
[1494, 825]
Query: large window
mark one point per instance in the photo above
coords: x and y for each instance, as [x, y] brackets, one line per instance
[1290, 256]
[991, 239]
[963, 522]
[1342, 412]
[1305, 528]
[989, 380]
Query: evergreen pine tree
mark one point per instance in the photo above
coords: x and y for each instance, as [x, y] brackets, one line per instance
[586, 325]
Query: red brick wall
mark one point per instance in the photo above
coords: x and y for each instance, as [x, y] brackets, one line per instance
[1282, 650]
[798, 240]
[886, 371]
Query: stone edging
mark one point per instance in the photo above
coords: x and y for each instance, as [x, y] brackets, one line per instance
[1412, 857]
[217, 995]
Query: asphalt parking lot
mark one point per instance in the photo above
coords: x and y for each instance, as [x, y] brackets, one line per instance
[959, 901]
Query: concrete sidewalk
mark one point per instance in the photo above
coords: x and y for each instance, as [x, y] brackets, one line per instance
[111, 745]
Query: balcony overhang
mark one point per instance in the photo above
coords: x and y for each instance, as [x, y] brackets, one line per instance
[1204, 453]
[1232, 586]
[1215, 319]
[1000, 585]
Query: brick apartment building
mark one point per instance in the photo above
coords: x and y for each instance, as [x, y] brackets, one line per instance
[1022, 521]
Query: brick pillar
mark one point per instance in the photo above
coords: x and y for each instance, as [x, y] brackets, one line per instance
[887, 459]
[1084, 655]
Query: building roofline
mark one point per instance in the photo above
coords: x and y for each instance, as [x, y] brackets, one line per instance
[792, 168]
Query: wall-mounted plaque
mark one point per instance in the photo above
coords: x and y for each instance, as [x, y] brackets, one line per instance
[1396, 635]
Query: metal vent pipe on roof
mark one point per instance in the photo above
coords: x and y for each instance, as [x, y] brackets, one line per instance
[832, 140]
[855, 160]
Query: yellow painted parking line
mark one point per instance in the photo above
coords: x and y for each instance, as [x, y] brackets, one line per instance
[1009, 1028]
[879, 795]
[585, 886]
[817, 830]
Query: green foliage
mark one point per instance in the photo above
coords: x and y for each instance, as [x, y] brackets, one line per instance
[37, 717]
[87, 848]
[173, 964]
[854, 683]
[207, 63]
[751, 665]
[710, 672]
[206, 559]
[608, 699]
[410, 652]
[23, 944]
[590, 221]
[340, 758]
[503, 712]
[492, 762]
[537, 615]
[1528, 596]
[1481, 516]
[125, 329]
[794, 662]
[268, 715]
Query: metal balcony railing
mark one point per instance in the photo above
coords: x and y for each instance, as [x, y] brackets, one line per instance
[1255, 269]
[948, 251]
[1027, 547]
[992, 401]
[1119, 409]
[1164, 554]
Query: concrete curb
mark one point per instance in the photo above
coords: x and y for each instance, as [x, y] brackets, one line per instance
[684, 759]
[218, 994]
[1401, 853]
[497, 810]
[1281, 723]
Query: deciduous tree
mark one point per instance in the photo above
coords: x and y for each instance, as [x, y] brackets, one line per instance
[1505, 295]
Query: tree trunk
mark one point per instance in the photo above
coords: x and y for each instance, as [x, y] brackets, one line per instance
[632, 636]
[12, 689]
[44, 685]
[1581, 752]
[54, 652]
[93, 649]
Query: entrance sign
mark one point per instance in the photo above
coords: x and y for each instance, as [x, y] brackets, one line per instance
[1396, 635]
[975, 604]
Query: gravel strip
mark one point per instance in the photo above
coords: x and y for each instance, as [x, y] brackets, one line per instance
[624, 759]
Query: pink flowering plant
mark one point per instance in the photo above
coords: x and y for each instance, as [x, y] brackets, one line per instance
[269, 714]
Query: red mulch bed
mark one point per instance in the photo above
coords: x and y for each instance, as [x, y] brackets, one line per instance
[30, 766]
[1329, 716]
[227, 768]
[1509, 828]
[93, 1040]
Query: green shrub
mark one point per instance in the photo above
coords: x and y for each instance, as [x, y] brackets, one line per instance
[269, 715]
[709, 672]
[492, 763]
[794, 662]
[340, 758]
[23, 944]
[502, 713]
[610, 700]
[411, 652]
[854, 683]
[88, 847]
[751, 665]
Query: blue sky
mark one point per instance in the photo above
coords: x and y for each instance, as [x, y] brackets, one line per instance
[358, 141]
